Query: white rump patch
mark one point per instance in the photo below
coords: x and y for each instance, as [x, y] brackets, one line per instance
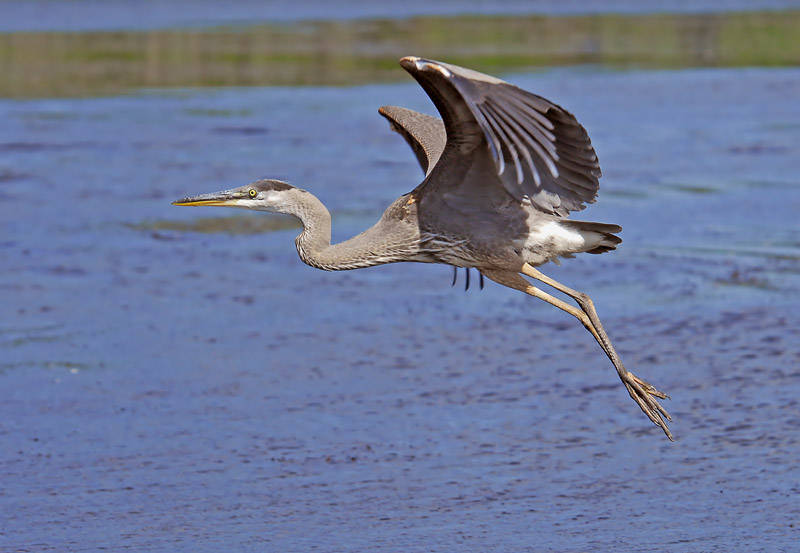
[561, 238]
[550, 240]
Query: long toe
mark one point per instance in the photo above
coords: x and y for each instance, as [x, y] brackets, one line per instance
[645, 396]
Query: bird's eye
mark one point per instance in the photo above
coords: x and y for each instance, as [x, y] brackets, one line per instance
[253, 193]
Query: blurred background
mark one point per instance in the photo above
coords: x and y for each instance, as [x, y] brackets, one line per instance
[176, 379]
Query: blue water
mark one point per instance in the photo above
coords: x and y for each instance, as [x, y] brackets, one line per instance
[170, 390]
[75, 15]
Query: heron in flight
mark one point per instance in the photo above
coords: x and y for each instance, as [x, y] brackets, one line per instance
[503, 170]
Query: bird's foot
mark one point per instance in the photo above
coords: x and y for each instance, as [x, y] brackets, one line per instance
[645, 394]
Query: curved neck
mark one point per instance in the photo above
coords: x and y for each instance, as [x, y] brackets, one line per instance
[314, 243]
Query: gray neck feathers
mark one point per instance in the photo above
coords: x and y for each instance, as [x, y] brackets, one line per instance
[314, 243]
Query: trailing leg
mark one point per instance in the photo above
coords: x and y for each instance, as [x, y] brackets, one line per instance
[643, 393]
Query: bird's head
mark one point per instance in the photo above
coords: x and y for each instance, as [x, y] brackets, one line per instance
[263, 195]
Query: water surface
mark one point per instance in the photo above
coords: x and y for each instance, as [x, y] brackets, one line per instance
[83, 15]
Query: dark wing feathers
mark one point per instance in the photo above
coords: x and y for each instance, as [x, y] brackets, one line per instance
[424, 133]
[539, 149]
[541, 143]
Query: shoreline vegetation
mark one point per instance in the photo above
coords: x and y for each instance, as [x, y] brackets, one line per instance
[344, 53]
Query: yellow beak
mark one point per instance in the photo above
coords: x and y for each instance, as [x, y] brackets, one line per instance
[190, 201]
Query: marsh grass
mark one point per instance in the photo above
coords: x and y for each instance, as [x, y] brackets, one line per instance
[339, 53]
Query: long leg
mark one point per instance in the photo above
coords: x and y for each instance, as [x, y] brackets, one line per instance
[639, 390]
[586, 304]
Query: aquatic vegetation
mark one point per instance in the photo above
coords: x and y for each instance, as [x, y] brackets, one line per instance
[340, 53]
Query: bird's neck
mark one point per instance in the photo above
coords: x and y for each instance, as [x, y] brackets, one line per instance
[314, 243]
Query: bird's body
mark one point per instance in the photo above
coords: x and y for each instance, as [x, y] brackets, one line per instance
[503, 169]
[404, 234]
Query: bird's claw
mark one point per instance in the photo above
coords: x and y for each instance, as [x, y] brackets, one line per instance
[644, 395]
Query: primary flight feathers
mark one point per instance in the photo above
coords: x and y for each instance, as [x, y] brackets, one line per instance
[539, 149]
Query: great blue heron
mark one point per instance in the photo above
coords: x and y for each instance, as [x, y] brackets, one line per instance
[503, 169]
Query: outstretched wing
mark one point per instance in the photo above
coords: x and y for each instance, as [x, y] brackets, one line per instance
[538, 149]
[424, 133]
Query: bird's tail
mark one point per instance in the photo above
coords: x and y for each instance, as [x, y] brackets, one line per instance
[599, 237]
